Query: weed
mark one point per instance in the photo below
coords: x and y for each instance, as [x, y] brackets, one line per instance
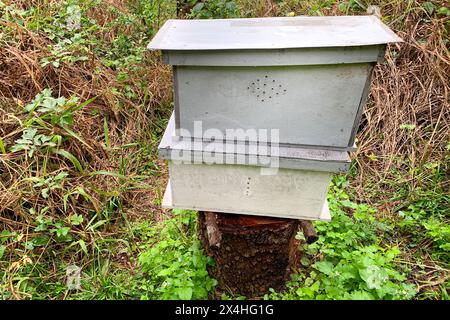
[84, 104]
[214, 9]
[175, 264]
[349, 261]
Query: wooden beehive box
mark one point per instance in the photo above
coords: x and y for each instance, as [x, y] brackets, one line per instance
[306, 76]
[296, 186]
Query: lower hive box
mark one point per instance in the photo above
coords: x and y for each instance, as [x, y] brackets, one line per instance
[295, 188]
[295, 195]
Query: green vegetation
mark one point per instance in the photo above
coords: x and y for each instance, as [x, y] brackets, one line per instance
[219, 9]
[83, 105]
[174, 264]
[352, 260]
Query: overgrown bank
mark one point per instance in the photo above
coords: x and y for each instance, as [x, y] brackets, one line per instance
[83, 105]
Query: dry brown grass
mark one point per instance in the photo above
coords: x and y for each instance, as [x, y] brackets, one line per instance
[412, 87]
[129, 120]
[130, 192]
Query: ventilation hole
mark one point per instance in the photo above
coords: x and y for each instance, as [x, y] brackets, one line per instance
[266, 76]
[273, 80]
[270, 97]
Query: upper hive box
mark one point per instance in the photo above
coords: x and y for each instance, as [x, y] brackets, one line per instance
[308, 77]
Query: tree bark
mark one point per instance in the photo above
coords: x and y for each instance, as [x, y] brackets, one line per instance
[252, 253]
[308, 231]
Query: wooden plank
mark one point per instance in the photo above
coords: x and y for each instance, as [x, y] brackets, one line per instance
[207, 140]
[308, 231]
[267, 57]
[172, 147]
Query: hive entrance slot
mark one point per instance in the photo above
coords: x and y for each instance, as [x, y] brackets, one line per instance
[247, 187]
[265, 88]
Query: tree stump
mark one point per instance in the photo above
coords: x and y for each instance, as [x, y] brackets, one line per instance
[252, 253]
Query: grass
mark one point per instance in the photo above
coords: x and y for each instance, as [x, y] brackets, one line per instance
[84, 104]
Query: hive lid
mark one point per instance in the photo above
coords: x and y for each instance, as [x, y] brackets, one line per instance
[272, 33]
[172, 147]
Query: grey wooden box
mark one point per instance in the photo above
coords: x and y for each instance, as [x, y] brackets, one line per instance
[309, 77]
[295, 188]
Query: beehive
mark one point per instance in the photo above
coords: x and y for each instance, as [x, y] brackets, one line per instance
[308, 77]
[295, 187]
